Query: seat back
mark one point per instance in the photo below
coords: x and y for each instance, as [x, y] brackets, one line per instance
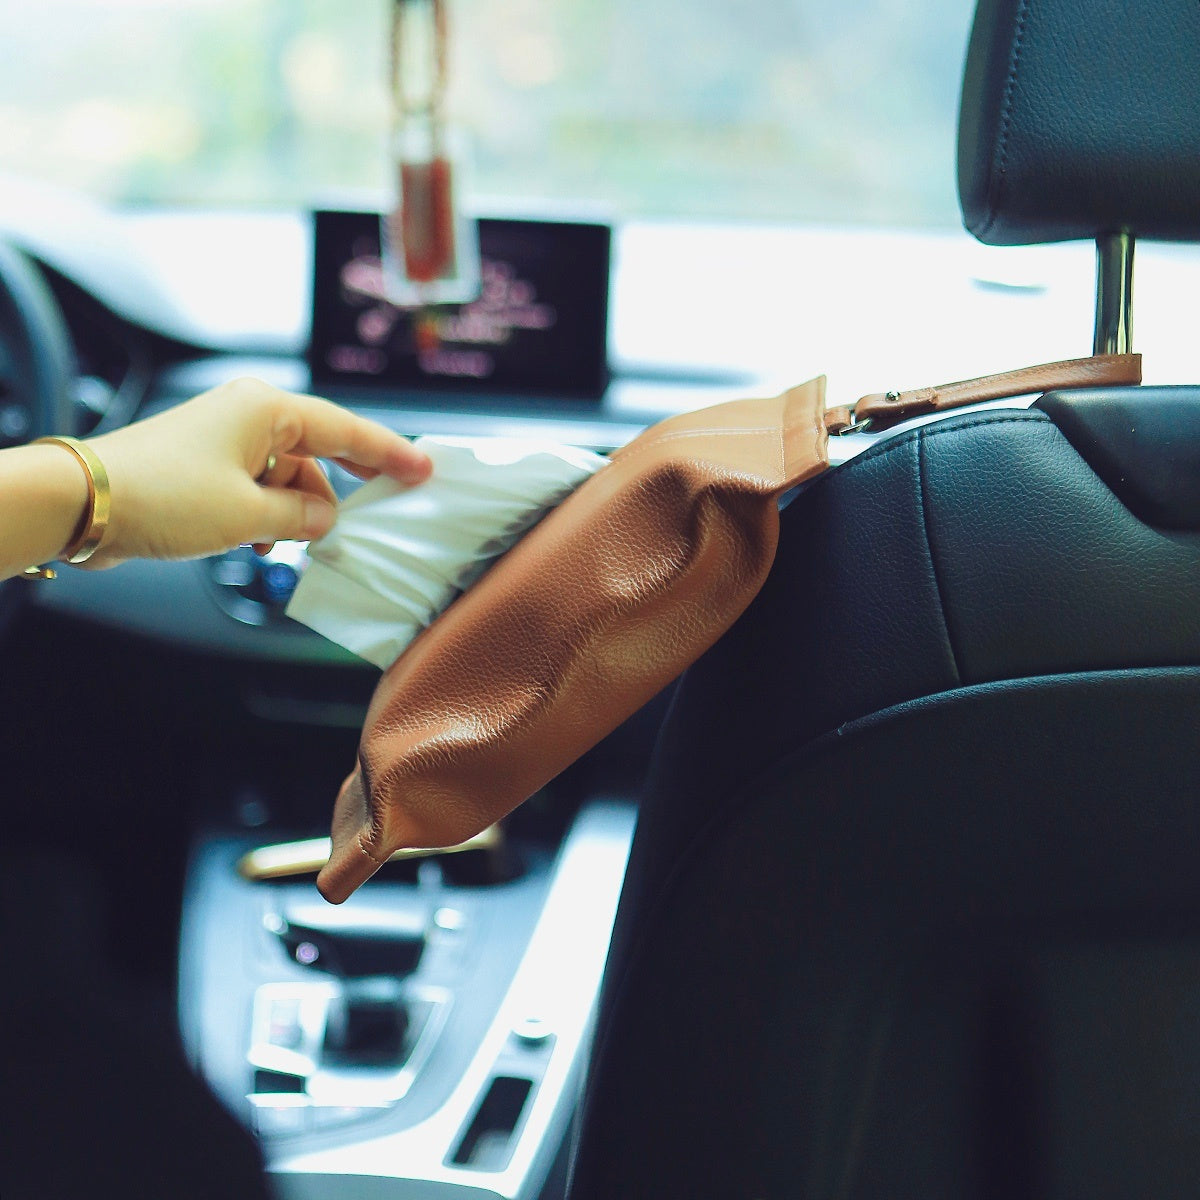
[911, 909]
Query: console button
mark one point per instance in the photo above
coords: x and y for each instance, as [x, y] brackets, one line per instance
[279, 582]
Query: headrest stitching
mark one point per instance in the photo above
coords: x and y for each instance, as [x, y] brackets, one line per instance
[1006, 111]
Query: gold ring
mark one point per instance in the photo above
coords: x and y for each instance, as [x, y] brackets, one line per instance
[271, 461]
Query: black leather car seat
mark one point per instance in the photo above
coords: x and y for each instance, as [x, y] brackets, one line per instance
[914, 903]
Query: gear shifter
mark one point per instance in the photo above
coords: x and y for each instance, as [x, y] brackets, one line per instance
[367, 1025]
[369, 1019]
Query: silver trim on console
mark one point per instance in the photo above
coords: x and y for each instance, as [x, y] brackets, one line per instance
[554, 991]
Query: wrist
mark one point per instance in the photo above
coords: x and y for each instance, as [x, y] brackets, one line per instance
[48, 491]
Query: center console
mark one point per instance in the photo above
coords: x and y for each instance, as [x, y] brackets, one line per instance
[428, 1037]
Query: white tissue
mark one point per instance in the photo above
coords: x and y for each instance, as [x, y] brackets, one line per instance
[398, 556]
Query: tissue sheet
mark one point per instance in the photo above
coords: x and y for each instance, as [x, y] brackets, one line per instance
[398, 556]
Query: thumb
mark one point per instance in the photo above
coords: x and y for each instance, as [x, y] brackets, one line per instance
[289, 515]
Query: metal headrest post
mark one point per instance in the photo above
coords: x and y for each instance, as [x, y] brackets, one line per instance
[1114, 294]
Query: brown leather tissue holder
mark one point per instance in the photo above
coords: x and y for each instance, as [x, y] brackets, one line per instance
[583, 621]
[610, 597]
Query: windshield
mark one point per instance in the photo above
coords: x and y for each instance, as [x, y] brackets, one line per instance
[755, 109]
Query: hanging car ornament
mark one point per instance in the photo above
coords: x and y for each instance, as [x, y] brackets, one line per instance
[430, 247]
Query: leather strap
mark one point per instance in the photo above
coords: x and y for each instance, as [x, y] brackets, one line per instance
[885, 409]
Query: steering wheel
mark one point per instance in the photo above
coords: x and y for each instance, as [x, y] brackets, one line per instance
[37, 368]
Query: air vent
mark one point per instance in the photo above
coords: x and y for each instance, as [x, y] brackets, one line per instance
[255, 588]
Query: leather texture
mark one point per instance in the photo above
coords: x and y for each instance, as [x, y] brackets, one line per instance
[885, 409]
[586, 619]
[1143, 442]
[1080, 118]
[914, 872]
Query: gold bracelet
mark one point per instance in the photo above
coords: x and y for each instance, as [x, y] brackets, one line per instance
[93, 525]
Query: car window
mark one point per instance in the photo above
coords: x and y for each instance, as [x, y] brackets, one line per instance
[760, 109]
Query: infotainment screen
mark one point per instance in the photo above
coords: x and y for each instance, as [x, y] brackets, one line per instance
[539, 327]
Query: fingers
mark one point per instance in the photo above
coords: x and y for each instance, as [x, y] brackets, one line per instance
[237, 465]
[285, 514]
[300, 474]
[355, 470]
[307, 425]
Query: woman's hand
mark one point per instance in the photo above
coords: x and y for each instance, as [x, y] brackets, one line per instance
[194, 481]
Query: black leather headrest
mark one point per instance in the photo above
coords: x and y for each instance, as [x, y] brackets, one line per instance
[1080, 118]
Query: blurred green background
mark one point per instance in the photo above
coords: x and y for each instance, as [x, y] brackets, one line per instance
[793, 110]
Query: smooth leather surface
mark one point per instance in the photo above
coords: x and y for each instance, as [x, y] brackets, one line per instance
[1143, 442]
[1079, 118]
[945, 954]
[586, 619]
[885, 409]
[908, 822]
[981, 547]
